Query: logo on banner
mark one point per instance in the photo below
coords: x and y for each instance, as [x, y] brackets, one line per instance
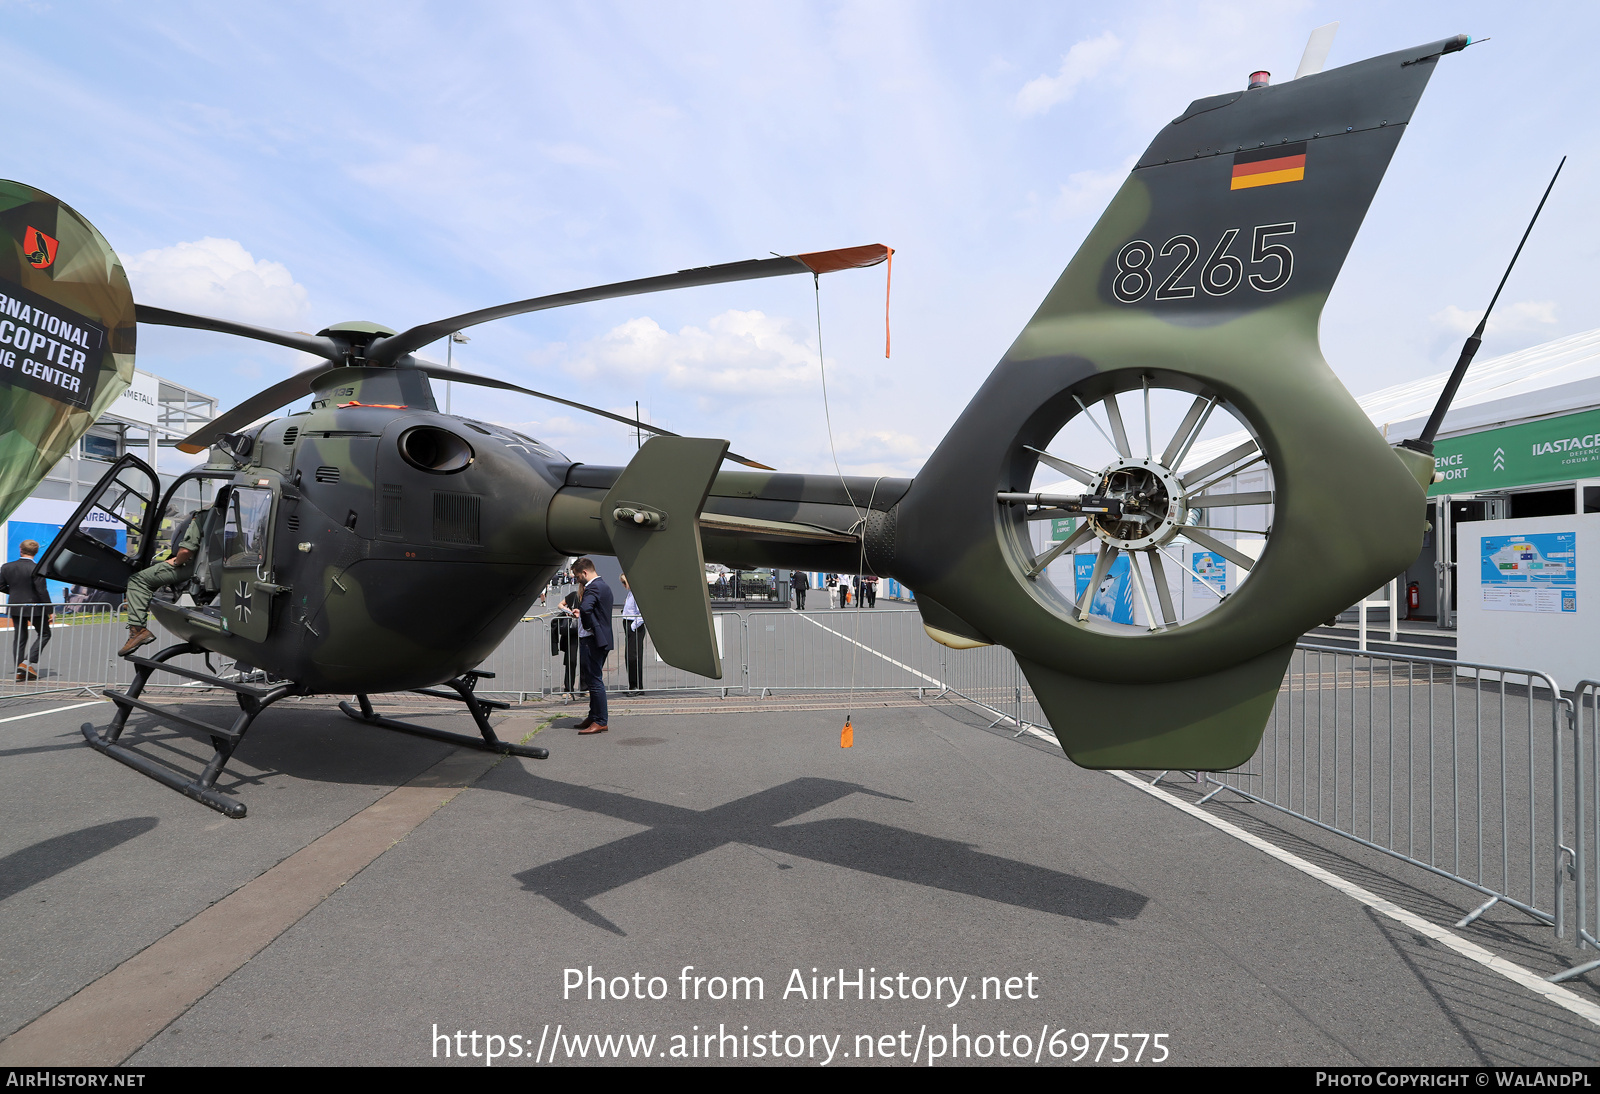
[38, 248]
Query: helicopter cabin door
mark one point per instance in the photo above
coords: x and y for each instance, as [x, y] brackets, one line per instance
[113, 532]
[246, 581]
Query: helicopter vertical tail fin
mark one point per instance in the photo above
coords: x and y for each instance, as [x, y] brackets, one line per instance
[652, 515]
[1251, 197]
[1206, 277]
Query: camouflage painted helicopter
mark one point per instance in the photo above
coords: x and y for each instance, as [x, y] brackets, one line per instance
[1205, 277]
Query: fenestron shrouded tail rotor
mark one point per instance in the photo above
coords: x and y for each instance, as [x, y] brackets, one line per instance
[1199, 291]
[370, 345]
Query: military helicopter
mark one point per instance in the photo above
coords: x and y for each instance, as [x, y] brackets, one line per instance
[1205, 277]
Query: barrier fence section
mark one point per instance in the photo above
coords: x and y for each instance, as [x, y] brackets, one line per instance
[1585, 865]
[768, 653]
[1451, 766]
[81, 654]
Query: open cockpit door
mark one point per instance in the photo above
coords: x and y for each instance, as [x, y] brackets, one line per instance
[111, 535]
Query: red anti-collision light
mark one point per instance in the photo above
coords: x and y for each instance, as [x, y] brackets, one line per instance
[1260, 79]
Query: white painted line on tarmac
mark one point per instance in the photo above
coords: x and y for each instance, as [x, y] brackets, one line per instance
[875, 653]
[1556, 994]
[54, 710]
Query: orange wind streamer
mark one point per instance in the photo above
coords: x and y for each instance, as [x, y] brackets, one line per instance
[888, 280]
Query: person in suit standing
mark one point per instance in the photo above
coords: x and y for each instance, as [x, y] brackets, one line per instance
[594, 642]
[633, 638]
[799, 581]
[29, 597]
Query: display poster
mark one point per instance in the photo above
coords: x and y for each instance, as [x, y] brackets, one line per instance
[1113, 599]
[1062, 528]
[1208, 575]
[1530, 573]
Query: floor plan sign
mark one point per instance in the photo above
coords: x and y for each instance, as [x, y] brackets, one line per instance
[1531, 573]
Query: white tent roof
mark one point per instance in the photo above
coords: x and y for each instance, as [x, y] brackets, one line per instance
[1554, 378]
[1558, 377]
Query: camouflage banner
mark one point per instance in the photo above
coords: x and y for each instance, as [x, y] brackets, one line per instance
[67, 334]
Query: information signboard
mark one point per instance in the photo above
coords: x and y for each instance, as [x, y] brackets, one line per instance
[1534, 572]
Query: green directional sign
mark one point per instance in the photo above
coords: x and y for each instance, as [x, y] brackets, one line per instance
[1551, 450]
[1062, 527]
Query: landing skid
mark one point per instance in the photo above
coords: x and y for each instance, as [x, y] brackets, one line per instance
[465, 687]
[252, 701]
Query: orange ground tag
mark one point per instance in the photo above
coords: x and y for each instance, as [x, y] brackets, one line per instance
[847, 736]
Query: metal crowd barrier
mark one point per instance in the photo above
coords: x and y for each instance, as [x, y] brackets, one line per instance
[1452, 766]
[1584, 866]
[80, 656]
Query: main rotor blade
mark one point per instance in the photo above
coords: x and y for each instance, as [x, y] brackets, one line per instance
[439, 372]
[262, 403]
[388, 350]
[317, 344]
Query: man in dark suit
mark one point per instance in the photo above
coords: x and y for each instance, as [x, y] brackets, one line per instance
[21, 583]
[594, 642]
[799, 581]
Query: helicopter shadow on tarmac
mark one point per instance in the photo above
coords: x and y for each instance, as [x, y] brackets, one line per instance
[313, 743]
[676, 834]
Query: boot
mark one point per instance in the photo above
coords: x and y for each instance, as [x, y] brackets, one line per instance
[138, 635]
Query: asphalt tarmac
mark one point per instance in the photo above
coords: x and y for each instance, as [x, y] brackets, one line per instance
[937, 854]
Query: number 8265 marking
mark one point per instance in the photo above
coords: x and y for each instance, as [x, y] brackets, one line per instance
[1221, 274]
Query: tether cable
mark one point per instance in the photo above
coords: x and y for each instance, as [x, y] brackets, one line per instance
[847, 734]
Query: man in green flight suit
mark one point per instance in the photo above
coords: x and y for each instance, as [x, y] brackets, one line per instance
[143, 585]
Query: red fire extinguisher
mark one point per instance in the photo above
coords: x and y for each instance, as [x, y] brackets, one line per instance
[1413, 598]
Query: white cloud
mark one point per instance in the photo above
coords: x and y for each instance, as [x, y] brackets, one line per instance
[1525, 315]
[218, 277]
[882, 452]
[1083, 62]
[739, 354]
[1087, 193]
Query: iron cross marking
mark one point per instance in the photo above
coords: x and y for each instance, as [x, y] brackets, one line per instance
[241, 602]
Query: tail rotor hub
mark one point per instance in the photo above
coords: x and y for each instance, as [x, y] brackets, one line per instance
[1152, 504]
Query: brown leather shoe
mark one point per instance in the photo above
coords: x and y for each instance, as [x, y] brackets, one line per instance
[137, 636]
[585, 724]
[598, 727]
[32, 673]
[22, 676]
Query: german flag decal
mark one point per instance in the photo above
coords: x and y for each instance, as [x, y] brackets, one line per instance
[1269, 166]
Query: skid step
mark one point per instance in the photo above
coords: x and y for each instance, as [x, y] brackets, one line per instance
[123, 699]
[201, 674]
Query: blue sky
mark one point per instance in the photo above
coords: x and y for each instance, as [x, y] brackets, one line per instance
[299, 164]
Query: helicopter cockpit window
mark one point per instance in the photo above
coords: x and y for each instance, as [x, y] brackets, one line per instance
[244, 535]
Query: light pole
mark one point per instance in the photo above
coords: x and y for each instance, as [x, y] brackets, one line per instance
[450, 343]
